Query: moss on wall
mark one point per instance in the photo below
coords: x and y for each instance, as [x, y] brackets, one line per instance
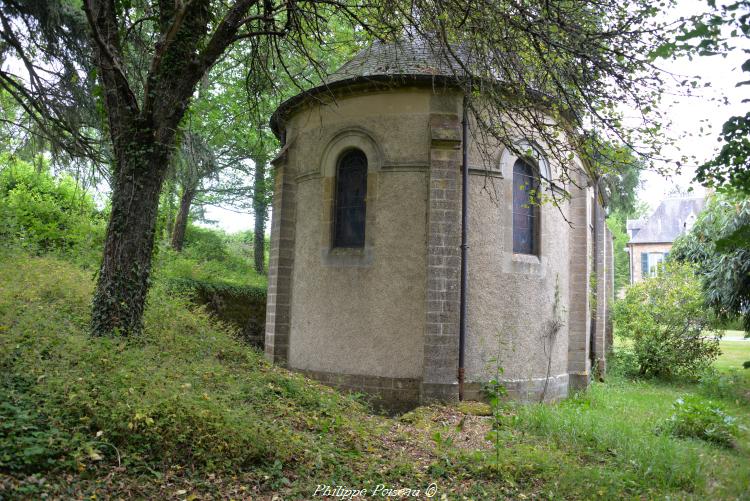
[241, 306]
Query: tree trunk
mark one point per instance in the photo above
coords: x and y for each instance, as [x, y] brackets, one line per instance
[169, 224]
[180, 225]
[126, 265]
[260, 208]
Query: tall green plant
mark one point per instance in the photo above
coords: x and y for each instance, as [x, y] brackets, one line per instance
[667, 321]
[719, 246]
[44, 213]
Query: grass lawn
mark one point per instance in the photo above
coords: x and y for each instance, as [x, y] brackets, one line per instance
[733, 354]
[187, 412]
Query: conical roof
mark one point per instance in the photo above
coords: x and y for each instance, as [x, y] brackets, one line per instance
[408, 61]
[403, 58]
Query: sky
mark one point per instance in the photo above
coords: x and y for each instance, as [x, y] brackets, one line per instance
[689, 114]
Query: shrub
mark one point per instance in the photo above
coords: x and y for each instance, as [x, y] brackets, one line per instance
[29, 441]
[623, 363]
[205, 243]
[667, 320]
[701, 419]
[44, 214]
[209, 255]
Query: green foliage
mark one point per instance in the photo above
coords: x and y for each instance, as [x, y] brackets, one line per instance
[728, 384]
[29, 440]
[666, 319]
[224, 289]
[600, 444]
[595, 424]
[616, 224]
[210, 256]
[697, 418]
[619, 172]
[206, 243]
[717, 32]
[43, 213]
[241, 306]
[731, 167]
[719, 246]
[622, 363]
[185, 393]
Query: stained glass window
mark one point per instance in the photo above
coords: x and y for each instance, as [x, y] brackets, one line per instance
[351, 194]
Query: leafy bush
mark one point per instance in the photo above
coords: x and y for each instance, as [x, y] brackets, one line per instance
[206, 243]
[667, 320]
[622, 363]
[209, 255]
[29, 440]
[719, 246]
[701, 419]
[45, 214]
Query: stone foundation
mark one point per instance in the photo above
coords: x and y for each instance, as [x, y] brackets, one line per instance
[578, 381]
[392, 395]
[398, 395]
[524, 390]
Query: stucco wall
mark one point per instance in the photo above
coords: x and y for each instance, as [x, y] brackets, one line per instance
[397, 121]
[361, 311]
[390, 310]
[511, 296]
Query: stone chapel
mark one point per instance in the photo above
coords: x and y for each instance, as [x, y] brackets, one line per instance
[365, 283]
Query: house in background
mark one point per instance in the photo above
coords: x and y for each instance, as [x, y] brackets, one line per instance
[651, 238]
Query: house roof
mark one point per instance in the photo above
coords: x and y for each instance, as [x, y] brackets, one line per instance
[415, 61]
[673, 217]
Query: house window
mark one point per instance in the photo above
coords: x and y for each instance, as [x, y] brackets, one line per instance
[651, 263]
[525, 210]
[351, 193]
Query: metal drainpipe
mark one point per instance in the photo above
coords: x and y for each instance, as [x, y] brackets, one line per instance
[464, 249]
[595, 271]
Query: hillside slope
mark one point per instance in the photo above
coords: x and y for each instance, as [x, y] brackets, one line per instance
[184, 399]
[189, 412]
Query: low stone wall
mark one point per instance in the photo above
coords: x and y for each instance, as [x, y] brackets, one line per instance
[241, 306]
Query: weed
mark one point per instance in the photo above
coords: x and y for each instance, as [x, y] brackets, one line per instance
[694, 417]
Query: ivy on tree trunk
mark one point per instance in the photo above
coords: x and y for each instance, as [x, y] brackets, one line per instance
[260, 209]
[143, 138]
[124, 274]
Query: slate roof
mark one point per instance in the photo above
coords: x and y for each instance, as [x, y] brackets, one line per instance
[413, 60]
[672, 218]
[406, 57]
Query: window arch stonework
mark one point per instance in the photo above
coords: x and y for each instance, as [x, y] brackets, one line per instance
[532, 264]
[341, 145]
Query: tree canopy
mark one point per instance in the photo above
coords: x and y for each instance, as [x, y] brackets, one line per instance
[556, 72]
[719, 244]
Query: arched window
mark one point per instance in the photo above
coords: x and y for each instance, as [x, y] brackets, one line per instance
[525, 211]
[351, 192]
